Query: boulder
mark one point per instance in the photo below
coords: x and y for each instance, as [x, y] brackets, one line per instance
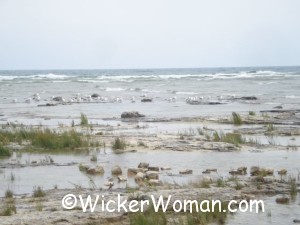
[282, 200]
[249, 98]
[122, 179]
[133, 114]
[296, 221]
[143, 165]
[95, 95]
[116, 170]
[58, 99]
[146, 100]
[186, 171]
[98, 170]
[208, 171]
[134, 171]
[165, 168]
[83, 167]
[152, 175]
[242, 170]
[282, 172]
[256, 171]
[139, 177]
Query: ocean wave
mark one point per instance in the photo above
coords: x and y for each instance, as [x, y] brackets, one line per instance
[151, 77]
[186, 93]
[114, 89]
[292, 96]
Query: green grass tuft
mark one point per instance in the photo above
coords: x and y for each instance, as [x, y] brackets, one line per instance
[38, 192]
[236, 118]
[119, 144]
[83, 120]
[4, 152]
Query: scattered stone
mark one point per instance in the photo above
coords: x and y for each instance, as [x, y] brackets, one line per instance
[133, 114]
[95, 95]
[143, 165]
[58, 99]
[248, 98]
[152, 175]
[165, 168]
[282, 172]
[116, 170]
[282, 200]
[83, 167]
[133, 171]
[256, 171]
[208, 171]
[146, 100]
[187, 171]
[98, 170]
[122, 179]
[139, 177]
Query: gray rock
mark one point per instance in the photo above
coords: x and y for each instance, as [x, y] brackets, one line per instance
[282, 200]
[146, 100]
[152, 175]
[143, 165]
[95, 95]
[187, 171]
[98, 170]
[133, 114]
[116, 170]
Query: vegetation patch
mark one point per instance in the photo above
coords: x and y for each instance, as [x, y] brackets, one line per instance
[43, 138]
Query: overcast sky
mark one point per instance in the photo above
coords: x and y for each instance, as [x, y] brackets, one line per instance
[98, 34]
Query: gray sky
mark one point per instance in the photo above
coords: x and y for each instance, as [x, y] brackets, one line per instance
[91, 34]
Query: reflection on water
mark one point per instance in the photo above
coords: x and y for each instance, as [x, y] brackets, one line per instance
[198, 161]
[68, 176]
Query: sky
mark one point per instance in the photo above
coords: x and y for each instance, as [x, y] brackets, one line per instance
[118, 34]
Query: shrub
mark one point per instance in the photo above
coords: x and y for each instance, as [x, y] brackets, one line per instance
[119, 144]
[9, 194]
[252, 113]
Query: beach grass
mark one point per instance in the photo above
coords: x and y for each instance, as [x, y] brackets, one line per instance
[236, 118]
[119, 144]
[232, 138]
[4, 152]
[38, 192]
[43, 138]
[252, 113]
[83, 120]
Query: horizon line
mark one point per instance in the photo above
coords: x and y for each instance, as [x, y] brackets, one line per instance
[153, 68]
